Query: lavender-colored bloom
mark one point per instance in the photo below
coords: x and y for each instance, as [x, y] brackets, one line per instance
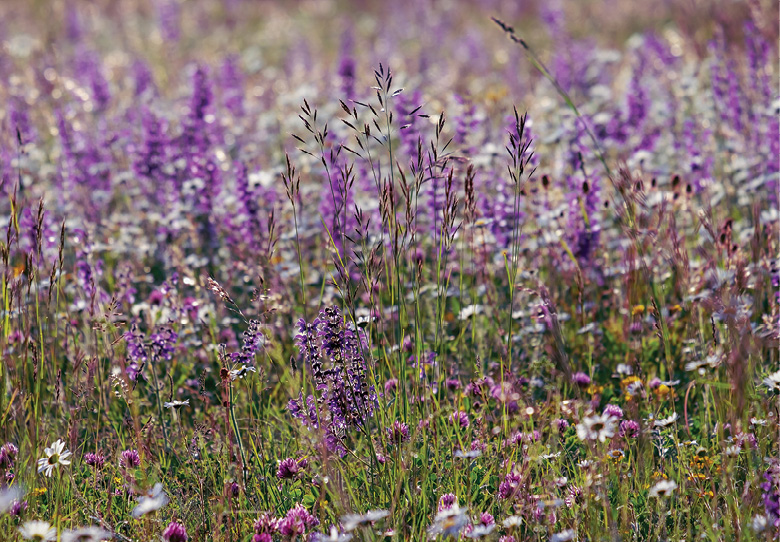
[175, 532]
[18, 508]
[129, 459]
[94, 460]
[561, 424]
[398, 432]
[290, 468]
[298, 521]
[447, 501]
[460, 418]
[614, 411]
[581, 379]
[8, 453]
[253, 339]
[629, 429]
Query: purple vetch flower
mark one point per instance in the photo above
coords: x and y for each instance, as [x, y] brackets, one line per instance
[629, 429]
[94, 460]
[129, 459]
[771, 494]
[18, 508]
[398, 432]
[460, 418]
[175, 532]
[253, 340]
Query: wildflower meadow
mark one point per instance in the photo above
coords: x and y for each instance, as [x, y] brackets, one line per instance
[331, 270]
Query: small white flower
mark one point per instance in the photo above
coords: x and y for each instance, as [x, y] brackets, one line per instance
[469, 311]
[153, 500]
[666, 421]
[55, 456]
[512, 521]
[757, 421]
[480, 530]
[732, 451]
[471, 454]
[86, 534]
[241, 372]
[759, 523]
[176, 404]
[598, 427]
[9, 495]
[334, 536]
[350, 522]
[564, 536]
[39, 531]
[449, 522]
[664, 488]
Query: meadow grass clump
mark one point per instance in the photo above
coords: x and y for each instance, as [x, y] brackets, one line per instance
[389, 271]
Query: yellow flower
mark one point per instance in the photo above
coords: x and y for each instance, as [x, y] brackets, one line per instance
[638, 309]
[594, 389]
[117, 480]
[38, 491]
[662, 391]
[675, 308]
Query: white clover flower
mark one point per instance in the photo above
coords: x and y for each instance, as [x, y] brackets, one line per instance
[39, 531]
[55, 456]
[664, 488]
[153, 500]
[87, 534]
[598, 427]
[480, 530]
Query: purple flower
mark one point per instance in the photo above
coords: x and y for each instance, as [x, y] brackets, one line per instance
[8, 453]
[129, 459]
[266, 524]
[289, 468]
[398, 432]
[614, 411]
[175, 532]
[446, 502]
[561, 424]
[510, 486]
[298, 521]
[94, 460]
[461, 418]
[17, 508]
[581, 379]
[391, 385]
[629, 429]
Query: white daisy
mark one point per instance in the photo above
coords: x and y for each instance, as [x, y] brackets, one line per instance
[55, 456]
[86, 534]
[598, 427]
[40, 531]
[176, 404]
[240, 372]
[759, 523]
[664, 488]
[773, 381]
[666, 421]
[153, 500]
